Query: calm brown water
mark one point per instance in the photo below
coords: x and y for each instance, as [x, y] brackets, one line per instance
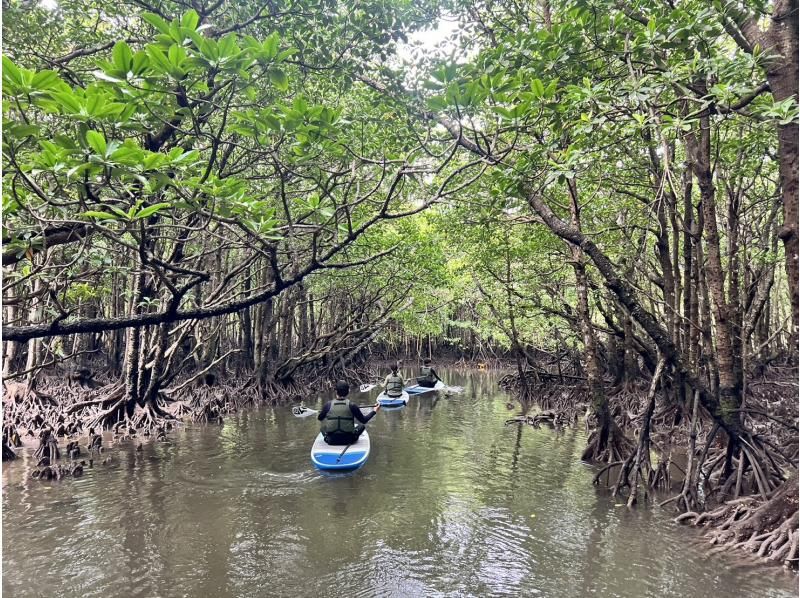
[450, 503]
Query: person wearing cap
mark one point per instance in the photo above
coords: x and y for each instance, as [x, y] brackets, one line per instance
[339, 417]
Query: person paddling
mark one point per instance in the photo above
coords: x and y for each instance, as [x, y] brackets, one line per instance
[429, 376]
[338, 418]
[394, 384]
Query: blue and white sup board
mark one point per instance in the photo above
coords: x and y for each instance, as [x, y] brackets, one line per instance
[418, 390]
[387, 401]
[329, 457]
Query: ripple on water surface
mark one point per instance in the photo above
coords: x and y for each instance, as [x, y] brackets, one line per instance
[451, 503]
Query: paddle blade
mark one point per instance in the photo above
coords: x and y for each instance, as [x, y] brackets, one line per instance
[366, 387]
[300, 411]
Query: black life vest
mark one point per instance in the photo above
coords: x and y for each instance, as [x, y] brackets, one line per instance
[394, 386]
[339, 420]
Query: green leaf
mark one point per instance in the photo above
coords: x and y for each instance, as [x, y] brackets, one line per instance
[285, 54]
[227, 46]
[119, 212]
[176, 55]
[123, 57]
[21, 131]
[150, 210]
[97, 142]
[504, 112]
[156, 22]
[270, 46]
[99, 215]
[45, 80]
[279, 79]
[537, 87]
[160, 59]
[272, 122]
[11, 71]
[76, 170]
[185, 157]
[190, 19]
[437, 103]
[66, 99]
[106, 77]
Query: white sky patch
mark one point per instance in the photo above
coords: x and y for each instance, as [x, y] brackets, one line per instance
[49, 4]
[439, 43]
[429, 39]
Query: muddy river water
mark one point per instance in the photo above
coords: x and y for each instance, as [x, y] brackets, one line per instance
[450, 503]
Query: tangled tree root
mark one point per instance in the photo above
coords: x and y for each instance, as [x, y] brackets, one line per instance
[615, 449]
[57, 472]
[553, 419]
[767, 528]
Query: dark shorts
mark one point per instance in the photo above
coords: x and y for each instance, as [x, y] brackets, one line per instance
[426, 383]
[344, 439]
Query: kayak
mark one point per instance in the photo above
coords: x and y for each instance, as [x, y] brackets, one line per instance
[418, 390]
[387, 401]
[329, 457]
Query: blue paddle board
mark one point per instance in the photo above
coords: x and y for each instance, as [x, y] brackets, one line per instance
[418, 390]
[387, 401]
[329, 457]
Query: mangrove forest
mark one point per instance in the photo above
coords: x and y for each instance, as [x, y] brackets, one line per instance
[550, 247]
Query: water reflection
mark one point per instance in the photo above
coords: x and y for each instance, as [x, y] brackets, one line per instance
[451, 502]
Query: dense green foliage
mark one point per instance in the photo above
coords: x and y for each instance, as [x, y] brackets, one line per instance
[267, 131]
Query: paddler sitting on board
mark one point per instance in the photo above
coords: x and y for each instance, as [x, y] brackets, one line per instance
[394, 384]
[338, 418]
[429, 376]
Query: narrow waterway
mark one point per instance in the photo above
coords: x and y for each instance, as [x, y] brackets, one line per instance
[450, 503]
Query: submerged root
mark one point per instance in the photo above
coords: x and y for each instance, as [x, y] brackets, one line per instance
[767, 528]
[57, 472]
[612, 447]
[552, 419]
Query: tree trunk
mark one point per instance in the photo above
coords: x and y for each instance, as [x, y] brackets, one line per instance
[627, 296]
[699, 151]
[782, 40]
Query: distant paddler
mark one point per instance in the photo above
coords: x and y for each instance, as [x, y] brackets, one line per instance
[428, 376]
[393, 384]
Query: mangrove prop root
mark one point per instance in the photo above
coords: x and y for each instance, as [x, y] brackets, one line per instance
[767, 528]
[57, 472]
[617, 446]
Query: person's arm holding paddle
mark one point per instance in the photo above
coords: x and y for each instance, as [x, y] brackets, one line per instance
[356, 411]
[324, 411]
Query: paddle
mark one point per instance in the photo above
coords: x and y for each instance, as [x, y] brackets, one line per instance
[339, 458]
[301, 411]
